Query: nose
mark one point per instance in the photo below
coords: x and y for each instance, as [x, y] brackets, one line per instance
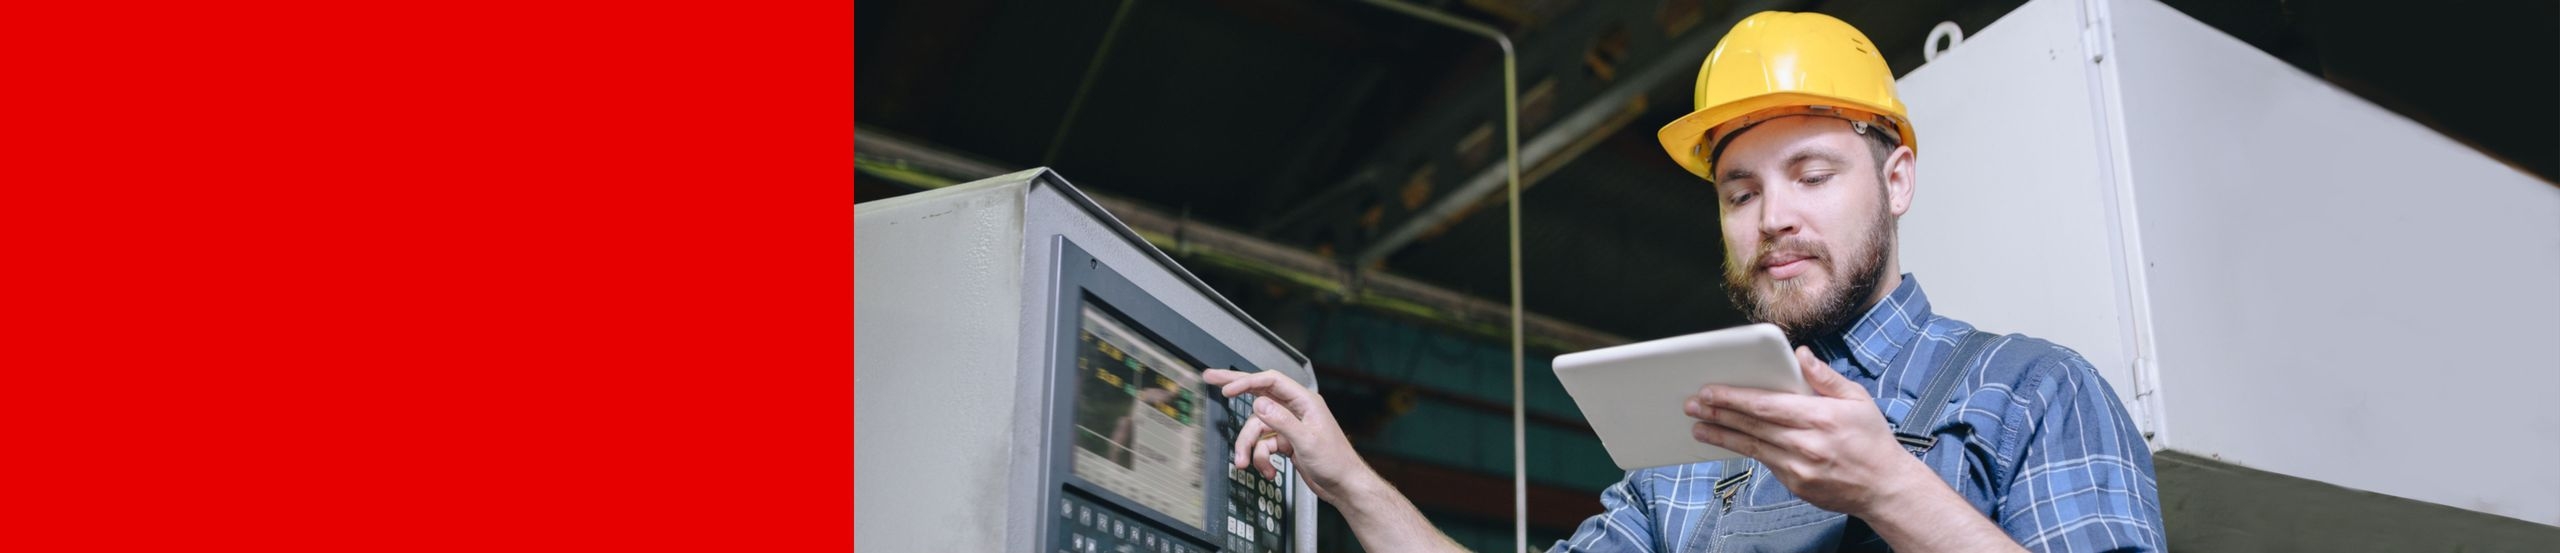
[1778, 215]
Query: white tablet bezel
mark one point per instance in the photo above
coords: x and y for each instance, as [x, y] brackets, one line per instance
[1632, 394]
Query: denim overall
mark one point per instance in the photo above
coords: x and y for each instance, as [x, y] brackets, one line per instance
[1759, 514]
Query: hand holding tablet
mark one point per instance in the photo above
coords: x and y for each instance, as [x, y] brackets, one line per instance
[1632, 394]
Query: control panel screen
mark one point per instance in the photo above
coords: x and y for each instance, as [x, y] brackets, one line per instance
[1138, 419]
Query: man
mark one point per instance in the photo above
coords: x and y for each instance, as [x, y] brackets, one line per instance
[1813, 163]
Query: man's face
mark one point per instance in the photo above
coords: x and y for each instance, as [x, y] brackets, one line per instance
[1808, 222]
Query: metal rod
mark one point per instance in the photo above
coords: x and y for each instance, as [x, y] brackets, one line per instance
[1093, 68]
[1552, 144]
[1511, 159]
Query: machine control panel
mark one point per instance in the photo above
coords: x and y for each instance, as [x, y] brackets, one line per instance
[1038, 384]
[1147, 465]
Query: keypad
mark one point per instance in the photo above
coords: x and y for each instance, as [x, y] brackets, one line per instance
[1258, 508]
[1094, 528]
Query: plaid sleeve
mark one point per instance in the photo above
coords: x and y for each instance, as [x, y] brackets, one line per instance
[2084, 479]
[1624, 524]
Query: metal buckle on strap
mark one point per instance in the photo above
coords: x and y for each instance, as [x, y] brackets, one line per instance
[1916, 443]
[1731, 480]
[1729, 486]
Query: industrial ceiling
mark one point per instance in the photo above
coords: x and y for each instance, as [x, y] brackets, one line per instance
[1330, 125]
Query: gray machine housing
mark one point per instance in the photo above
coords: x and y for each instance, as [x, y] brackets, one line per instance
[957, 309]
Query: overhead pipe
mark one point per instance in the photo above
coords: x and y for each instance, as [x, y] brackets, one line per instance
[1681, 58]
[885, 155]
[1084, 87]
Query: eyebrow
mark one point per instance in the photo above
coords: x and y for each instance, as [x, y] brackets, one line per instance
[1798, 158]
[1811, 154]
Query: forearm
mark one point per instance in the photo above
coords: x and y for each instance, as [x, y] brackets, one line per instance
[1925, 516]
[1385, 521]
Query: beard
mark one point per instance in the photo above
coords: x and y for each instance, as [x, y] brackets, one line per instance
[1798, 311]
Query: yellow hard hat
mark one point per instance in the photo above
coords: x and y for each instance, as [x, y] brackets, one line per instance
[1776, 64]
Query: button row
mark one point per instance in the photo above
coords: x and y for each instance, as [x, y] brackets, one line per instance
[1110, 533]
[1253, 482]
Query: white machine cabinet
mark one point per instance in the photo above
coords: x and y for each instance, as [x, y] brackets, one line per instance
[1027, 379]
[2277, 277]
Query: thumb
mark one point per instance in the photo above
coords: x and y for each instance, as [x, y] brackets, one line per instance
[1278, 418]
[1825, 382]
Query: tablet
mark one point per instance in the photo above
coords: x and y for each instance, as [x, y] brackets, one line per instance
[1632, 394]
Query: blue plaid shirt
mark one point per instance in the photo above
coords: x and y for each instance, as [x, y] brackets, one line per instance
[2034, 439]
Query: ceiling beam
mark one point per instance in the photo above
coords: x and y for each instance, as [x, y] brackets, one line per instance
[1196, 243]
[1681, 59]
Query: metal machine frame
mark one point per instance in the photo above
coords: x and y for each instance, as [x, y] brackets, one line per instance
[955, 282]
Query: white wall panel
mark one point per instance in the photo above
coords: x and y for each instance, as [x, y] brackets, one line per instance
[2339, 293]
[2324, 289]
[2012, 225]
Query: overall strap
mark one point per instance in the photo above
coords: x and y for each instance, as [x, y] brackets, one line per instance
[1917, 430]
[1737, 471]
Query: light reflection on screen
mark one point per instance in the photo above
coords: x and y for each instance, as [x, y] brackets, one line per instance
[1137, 419]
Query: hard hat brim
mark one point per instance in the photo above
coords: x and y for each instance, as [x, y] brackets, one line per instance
[1685, 137]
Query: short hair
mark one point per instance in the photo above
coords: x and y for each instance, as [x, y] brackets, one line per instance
[1882, 142]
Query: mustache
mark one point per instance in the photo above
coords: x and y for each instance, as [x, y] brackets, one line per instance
[1797, 246]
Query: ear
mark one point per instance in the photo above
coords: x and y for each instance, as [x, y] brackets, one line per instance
[1901, 173]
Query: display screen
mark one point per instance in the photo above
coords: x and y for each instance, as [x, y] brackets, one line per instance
[1138, 419]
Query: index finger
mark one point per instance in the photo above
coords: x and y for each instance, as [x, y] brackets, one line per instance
[1270, 384]
[1778, 407]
